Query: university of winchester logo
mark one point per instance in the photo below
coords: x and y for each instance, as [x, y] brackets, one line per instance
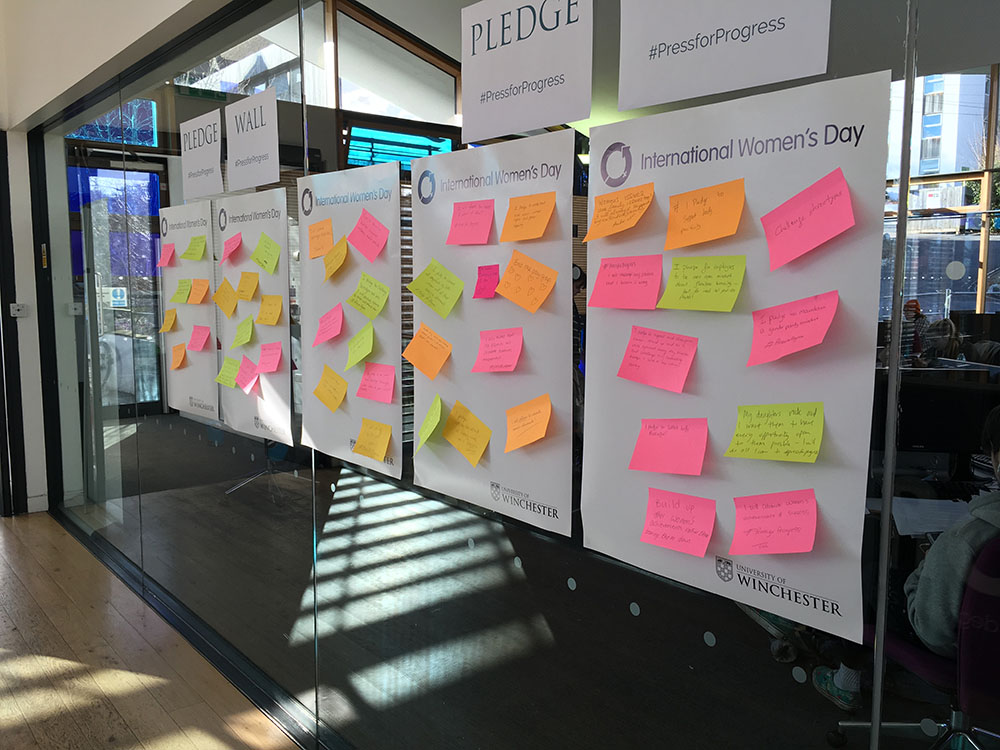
[724, 568]
[495, 492]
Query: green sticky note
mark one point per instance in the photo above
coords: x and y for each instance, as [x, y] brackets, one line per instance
[778, 432]
[227, 375]
[195, 249]
[704, 283]
[266, 254]
[183, 291]
[438, 288]
[370, 296]
[244, 332]
[430, 422]
[360, 345]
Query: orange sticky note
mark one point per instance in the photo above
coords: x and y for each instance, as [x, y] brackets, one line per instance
[467, 433]
[704, 214]
[618, 211]
[527, 422]
[334, 259]
[179, 353]
[775, 523]
[427, 351]
[320, 238]
[527, 217]
[331, 389]
[373, 440]
[526, 282]
[169, 319]
[225, 297]
[248, 285]
[199, 289]
[270, 309]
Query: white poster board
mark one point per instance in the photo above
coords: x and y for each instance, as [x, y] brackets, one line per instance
[340, 197]
[201, 155]
[191, 388]
[252, 141]
[674, 49]
[269, 414]
[849, 118]
[525, 66]
[533, 483]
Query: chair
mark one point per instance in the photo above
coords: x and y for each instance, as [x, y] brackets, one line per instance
[973, 678]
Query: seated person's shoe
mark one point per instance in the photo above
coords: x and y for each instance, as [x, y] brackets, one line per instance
[822, 680]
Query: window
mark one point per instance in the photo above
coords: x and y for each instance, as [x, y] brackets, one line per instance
[933, 103]
[930, 148]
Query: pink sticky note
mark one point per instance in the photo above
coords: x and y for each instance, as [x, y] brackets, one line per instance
[486, 284]
[330, 325]
[378, 382]
[369, 235]
[671, 446]
[270, 357]
[658, 358]
[230, 246]
[199, 335]
[246, 376]
[166, 255]
[679, 522]
[776, 523]
[499, 350]
[631, 283]
[791, 327]
[471, 222]
[807, 220]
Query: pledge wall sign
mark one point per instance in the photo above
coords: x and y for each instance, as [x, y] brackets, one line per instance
[201, 149]
[526, 64]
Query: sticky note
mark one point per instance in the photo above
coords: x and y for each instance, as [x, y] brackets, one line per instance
[683, 523]
[183, 291]
[225, 297]
[486, 282]
[527, 217]
[774, 524]
[706, 214]
[166, 255]
[373, 440]
[169, 319]
[199, 290]
[467, 433]
[195, 249]
[427, 351]
[360, 345]
[527, 422]
[629, 283]
[526, 282]
[266, 253]
[330, 324]
[227, 373]
[244, 332]
[471, 222]
[704, 283]
[785, 329]
[778, 432]
[431, 420]
[807, 220]
[270, 357]
[334, 259]
[199, 337]
[671, 446]
[270, 309]
[331, 389]
[499, 350]
[658, 358]
[437, 287]
[615, 212]
[230, 246]
[248, 285]
[246, 375]
[369, 297]
[178, 355]
[368, 236]
[320, 239]
[377, 383]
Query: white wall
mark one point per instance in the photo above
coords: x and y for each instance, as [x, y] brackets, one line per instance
[3, 67]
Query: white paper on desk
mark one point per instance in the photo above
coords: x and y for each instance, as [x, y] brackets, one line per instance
[916, 515]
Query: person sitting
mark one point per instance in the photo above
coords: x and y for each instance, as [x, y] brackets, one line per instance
[943, 340]
[915, 325]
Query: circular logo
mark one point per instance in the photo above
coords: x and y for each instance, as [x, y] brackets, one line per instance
[426, 178]
[307, 201]
[626, 153]
[163, 226]
[223, 220]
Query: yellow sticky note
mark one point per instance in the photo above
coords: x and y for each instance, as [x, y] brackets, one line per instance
[427, 351]
[360, 345]
[437, 287]
[199, 290]
[270, 309]
[244, 332]
[169, 319]
[227, 373]
[179, 353]
[527, 422]
[526, 282]
[334, 259]
[527, 217]
[195, 249]
[778, 432]
[618, 211]
[183, 291]
[467, 433]
[248, 285]
[704, 214]
[320, 238]
[266, 253]
[369, 297]
[373, 440]
[704, 283]
[331, 389]
[225, 298]
[431, 420]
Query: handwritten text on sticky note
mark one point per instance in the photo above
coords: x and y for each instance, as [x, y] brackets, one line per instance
[467, 433]
[486, 282]
[166, 255]
[266, 253]
[704, 283]
[199, 290]
[671, 446]
[247, 287]
[775, 523]
[199, 337]
[334, 259]
[785, 329]
[427, 351]
[270, 309]
[320, 238]
[378, 382]
[369, 235]
[227, 373]
[631, 283]
[437, 287]
[778, 432]
[270, 357]
[527, 217]
[679, 522]
[528, 422]
[230, 246]
[705, 214]
[499, 350]
[369, 297]
[618, 211]
[331, 389]
[177, 359]
[431, 420]
[658, 358]
[225, 297]
[330, 324]
[360, 345]
[471, 222]
[527, 282]
[373, 440]
[169, 319]
[195, 249]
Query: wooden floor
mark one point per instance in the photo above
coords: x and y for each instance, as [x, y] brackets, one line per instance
[84, 663]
